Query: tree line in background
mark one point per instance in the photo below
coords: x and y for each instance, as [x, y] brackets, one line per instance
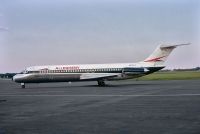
[187, 69]
[10, 75]
[7, 75]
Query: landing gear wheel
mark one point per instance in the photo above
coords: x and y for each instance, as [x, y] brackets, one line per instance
[23, 85]
[101, 83]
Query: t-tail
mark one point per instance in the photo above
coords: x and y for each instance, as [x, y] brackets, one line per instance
[159, 56]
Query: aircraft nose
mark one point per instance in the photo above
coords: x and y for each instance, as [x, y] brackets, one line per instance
[18, 78]
[14, 78]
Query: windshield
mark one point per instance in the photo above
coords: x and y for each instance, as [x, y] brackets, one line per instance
[24, 72]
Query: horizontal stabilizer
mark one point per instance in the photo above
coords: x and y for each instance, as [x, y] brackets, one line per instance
[173, 46]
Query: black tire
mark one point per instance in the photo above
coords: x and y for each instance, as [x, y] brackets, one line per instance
[23, 85]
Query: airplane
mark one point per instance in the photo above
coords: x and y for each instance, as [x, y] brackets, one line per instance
[96, 72]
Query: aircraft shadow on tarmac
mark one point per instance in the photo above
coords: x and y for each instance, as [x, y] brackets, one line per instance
[121, 85]
[33, 86]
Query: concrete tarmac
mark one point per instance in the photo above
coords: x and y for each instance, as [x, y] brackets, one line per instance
[122, 107]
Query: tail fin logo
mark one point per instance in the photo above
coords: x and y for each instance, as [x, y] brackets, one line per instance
[155, 59]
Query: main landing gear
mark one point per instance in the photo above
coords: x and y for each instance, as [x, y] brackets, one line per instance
[23, 85]
[101, 83]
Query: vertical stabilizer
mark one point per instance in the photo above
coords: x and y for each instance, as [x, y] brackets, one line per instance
[159, 56]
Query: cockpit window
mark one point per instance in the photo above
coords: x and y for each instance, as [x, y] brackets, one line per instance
[24, 72]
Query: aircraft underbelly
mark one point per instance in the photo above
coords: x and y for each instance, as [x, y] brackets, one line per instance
[40, 78]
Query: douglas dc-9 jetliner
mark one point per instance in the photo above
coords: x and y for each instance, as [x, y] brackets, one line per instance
[96, 72]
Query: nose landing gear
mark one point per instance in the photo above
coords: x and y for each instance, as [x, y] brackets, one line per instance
[23, 85]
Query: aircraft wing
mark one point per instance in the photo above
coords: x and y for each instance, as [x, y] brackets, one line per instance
[88, 76]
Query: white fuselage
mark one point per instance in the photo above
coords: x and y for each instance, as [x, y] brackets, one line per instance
[86, 72]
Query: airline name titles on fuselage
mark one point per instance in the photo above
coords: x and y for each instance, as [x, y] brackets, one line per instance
[68, 68]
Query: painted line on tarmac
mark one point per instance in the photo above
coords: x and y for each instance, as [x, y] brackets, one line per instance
[106, 95]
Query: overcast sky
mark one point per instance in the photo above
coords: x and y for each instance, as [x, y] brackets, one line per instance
[35, 32]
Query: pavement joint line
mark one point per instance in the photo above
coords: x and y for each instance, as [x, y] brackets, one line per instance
[107, 95]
